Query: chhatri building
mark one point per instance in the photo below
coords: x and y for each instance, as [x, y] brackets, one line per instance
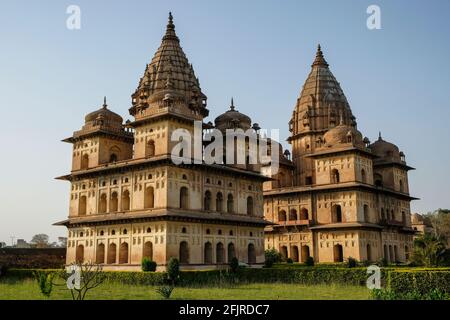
[340, 196]
[336, 196]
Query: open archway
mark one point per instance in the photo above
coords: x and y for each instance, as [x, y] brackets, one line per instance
[338, 253]
[123, 253]
[220, 253]
[184, 252]
[112, 253]
[231, 251]
[79, 254]
[251, 253]
[207, 254]
[148, 250]
[100, 254]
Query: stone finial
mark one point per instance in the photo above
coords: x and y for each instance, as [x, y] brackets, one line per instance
[319, 60]
[170, 29]
[104, 103]
[379, 136]
[232, 104]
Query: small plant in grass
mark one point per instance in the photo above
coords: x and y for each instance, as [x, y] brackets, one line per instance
[289, 261]
[173, 270]
[309, 261]
[90, 275]
[271, 256]
[351, 262]
[45, 282]
[148, 265]
[234, 265]
[165, 291]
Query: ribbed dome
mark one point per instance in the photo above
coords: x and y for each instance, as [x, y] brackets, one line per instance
[385, 149]
[233, 119]
[169, 72]
[343, 134]
[105, 114]
[321, 100]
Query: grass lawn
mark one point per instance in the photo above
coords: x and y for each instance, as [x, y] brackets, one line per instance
[28, 290]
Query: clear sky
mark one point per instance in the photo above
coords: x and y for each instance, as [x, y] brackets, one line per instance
[396, 80]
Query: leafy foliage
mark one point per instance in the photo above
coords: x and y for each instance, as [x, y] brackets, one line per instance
[148, 265]
[309, 261]
[173, 270]
[351, 262]
[45, 282]
[271, 256]
[428, 251]
[234, 265]
[91, 276]
[165, 291]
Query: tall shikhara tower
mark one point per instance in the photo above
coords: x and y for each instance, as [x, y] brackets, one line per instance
[128, 200]
[342, 196]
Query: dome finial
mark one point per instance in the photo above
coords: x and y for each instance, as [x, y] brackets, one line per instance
[170, 30]
[320, 60]
[232, 104]
[379, 136]
[104, 102]
[170, 17]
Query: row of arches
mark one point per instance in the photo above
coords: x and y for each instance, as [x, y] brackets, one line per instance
[184, 254]
[296, 253]
[293, 216]
[125, 204]
[390, 253]
[110, 256]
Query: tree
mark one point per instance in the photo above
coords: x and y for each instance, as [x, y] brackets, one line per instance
[440, 221]
[428, 251]
[40, 240]
[90, 276]
[271, 256]
[62, 242]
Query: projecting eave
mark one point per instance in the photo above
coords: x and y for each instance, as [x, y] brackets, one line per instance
[345, 225]
[66, 177]
[322, 153]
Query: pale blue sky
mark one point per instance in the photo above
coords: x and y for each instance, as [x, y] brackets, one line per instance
[396, 80]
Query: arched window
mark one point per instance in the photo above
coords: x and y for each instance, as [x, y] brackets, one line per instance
[294, 253]
[184, 198]
[79, 254]
[293, 215]
[112, 253]
[305, 253]
[230, 203]
[366, 213]
[378, 179]
[126, 200]
[335, 176]
[220, 253]
[102, 203]
[82, 204]
[284, 252]
[149, 198]
[401, 185]
[113, 205]
[148, 250]
[113, 157]
[114, 154]
[207, 200]
[123, 253]
[336, 212]
[184, 252]
[363, 176]
[282, 216]
[304, 214]
[219, 202]
[150, 148]
[100, 254]
[391, 254]
[338, 253]
[250, 206]
[369, 252]
[207, 254]
[251, 253]
[85, 161]
[231, 252]
[183, 230]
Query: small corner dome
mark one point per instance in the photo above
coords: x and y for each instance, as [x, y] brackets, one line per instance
[385, 149]
[104, 114]
[341, 134]
[233, 119]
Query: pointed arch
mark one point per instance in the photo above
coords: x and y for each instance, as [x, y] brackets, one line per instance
[148, 250]
[84, 161]
[79, 254]
[230, 203]
[123, 253]
[231, 251]
[125, 200]
[150, 148]
[184, 198]
[207, 200]
[219, 202]
[250, 206]
[207, 254]
[220, 253]
[149, 198]
[112, 253]
[251, 254]
[184, 252]
[114, 203]
[102, 205]
[100, 254]
[82, 206]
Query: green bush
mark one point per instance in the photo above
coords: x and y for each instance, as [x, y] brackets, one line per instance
[45, 282]
[165, 291]
[234, 265]
[173, 270]
[423, 281]
[148, 265]
[351, 262]
[309, 261]
[289, 261]
[271, 256]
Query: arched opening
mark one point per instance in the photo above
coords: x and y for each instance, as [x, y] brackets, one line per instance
[336, 213]
[102, 203]
[369, 252]
[403, 217]
[85, 161]
[123, 253]
[294, 253]
[251, 253]
[386, 253]
[149, 198]
[250, 206]
[391, 254]
[126, 200]
[363, 176]
[150, 148]
[79, 254]
[282, 216]
[406, 253]
[366, 213]
[220, 253]
[82, 206]
[293, 215]
[148, 250]
[112, 253]
[401, 185]
[396, 254]
[284, 252]
[207, 255]
[114, 154]
[305, 253]
[378, 178]
[304, 214]
[113, 157]
[207, 201]
[335, 178]
[231, 251]
[184, 252]
[100, 254]
[219, 202]
[338, 253]
[184, 198]
[114, 204]
[230, 203]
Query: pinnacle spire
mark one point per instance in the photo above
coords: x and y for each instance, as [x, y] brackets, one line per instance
[104, 103]
[319, 60]
[232, 104]
[170, 30]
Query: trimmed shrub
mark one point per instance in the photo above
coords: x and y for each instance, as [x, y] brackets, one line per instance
[309, 261]
[234, 265]
[148, 265]
[173, 270]
[351, 262]
[423, 281]
[271, 256]
[289, 261]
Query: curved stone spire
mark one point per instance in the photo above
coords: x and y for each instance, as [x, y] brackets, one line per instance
[169, 74]
[321, 102]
